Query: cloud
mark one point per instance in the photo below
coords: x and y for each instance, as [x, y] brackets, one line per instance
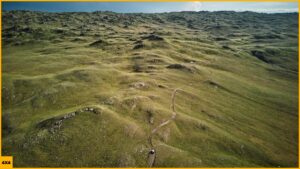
[265, 7]
[276, 10]
[193, 6]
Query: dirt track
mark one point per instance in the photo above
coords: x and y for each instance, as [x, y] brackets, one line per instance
[152, 153]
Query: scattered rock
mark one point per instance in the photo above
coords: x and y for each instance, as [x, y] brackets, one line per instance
[139, 85]
[98, 43]
[59, 31]
[212, 83]
[227, 47]
[220, 39]
[138, 42]
[78, 40]
[216, 85]
[153, 37]
[261, 56]
[161, 86]
[69, 115]
[139, 46]
[180, 67]
[91, 109]
[54, 124]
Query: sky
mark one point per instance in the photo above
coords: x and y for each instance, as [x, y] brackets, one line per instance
[152, 7]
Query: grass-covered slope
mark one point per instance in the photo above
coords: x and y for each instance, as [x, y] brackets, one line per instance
[87, 89]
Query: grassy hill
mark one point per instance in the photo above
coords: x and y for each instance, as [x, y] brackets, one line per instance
[87, 89]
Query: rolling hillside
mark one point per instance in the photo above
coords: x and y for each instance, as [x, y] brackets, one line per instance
[95, 89]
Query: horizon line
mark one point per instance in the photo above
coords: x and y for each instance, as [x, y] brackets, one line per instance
[236, 11]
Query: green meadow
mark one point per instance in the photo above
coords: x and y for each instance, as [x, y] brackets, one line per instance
[86, 89]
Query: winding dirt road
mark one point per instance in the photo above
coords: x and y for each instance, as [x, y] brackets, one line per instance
[152, 153]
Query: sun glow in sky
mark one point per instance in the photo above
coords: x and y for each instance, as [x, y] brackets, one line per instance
[152, 7]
